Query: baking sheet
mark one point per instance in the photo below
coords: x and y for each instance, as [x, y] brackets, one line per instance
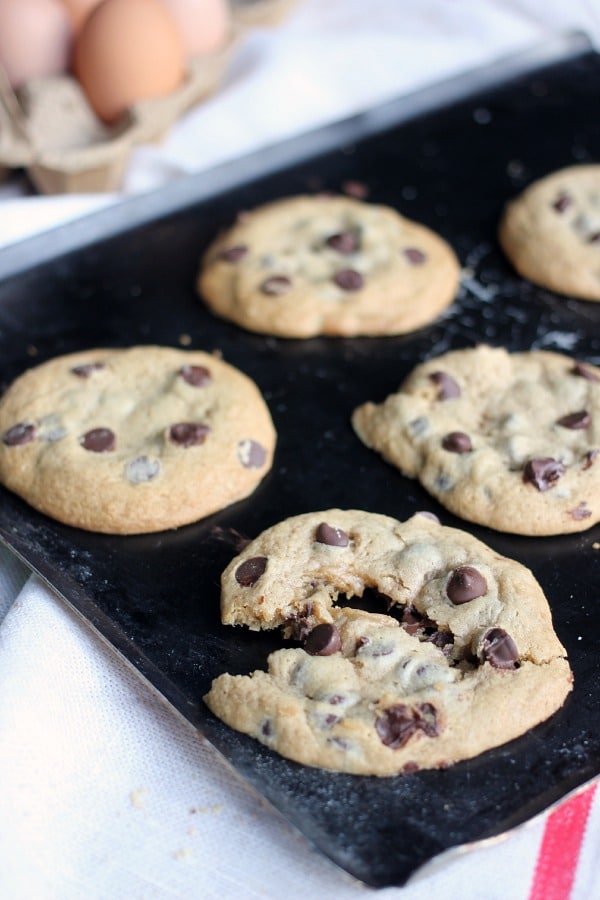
[155, 598]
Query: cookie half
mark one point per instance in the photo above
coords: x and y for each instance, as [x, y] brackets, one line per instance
[510, 441]
[136, 440]
[551, 232]
[311, 265]
[465, 660]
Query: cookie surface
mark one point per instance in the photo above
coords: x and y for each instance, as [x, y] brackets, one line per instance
[466, 659]
[136, 440]
[304, 266]
[505, 440]
[551, 232]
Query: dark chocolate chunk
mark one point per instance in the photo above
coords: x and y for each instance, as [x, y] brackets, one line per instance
[266, 729]
[22, 433]
[585, 372]
[562, 202]
[335, 537]
[99, 440]
[233, 254]
[87, 369]
[543, 472]
[349, 280]
[188, 434]
[250, 570]
[439, 638]
[465, 583]
[197, 376]
[448, 388]
[324, 640]
[251, 454]
[576, 420]
[415, 256]
[457, 442]
[345, 242]
[398, 723]
[499, 649]
[276, 285]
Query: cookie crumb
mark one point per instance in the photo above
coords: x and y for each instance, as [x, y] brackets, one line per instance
[184, 853]
[32, 350]
[185, 340]
[137, 798]
[596, 545]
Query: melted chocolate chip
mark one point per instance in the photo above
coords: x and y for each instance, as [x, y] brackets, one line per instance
[499, 649]
[582, 511]
[22, 433]
[590, 458]
[276, 285]
[196, 376]
[415, 256]
[334, 537]
[324, 640]
[585, 372]
[440, 638]
[349, 280]
[594, 238]
[233, 254]
[457, 442]
[576, 420]
[248, 573]
[398, 723]
[448, 388]
[562, 202]
[465, 583]
[409, 767]
[412, 620]
[345, 242]
[188, 434]
[266, 729]
[251, 454]
[543, 472]
[87, 369]
[99, 440]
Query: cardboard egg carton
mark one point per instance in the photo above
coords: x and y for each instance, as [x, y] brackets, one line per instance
[49, 128]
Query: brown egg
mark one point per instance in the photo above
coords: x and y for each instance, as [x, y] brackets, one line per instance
[79, 10]
[205, 24]
[35, 39]
[128, 50]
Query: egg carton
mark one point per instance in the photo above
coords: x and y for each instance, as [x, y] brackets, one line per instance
[49, 129]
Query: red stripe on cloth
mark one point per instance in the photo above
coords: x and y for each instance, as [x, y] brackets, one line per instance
[559, 851]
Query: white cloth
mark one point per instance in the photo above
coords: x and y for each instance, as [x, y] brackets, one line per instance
[104, 791]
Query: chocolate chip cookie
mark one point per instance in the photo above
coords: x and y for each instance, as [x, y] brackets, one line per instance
[505, 440]
[551, 232]
[136, 440]
[332, 265]
[462, 658]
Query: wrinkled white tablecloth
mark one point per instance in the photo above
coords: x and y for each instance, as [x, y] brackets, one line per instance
[104, 791]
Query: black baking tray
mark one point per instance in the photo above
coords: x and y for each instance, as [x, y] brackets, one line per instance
[450, 157]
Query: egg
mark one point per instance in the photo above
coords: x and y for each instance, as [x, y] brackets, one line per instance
[79, 10]
[205, 24]
[128, 50]
[35, 39]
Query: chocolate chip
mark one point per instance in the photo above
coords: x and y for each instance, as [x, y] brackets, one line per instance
[440, 639]
[324, 640]
[448, 388]
[415, 256]
[276, 285]
[345, 242]
[141, 469]
[188, 434]
[594, 238]
[23, 433]
[465, 583]
[99, 440]
[398, 723]
[499, 649]
[590, 458]
[266, 729]
[412, 620]
[233, 254]
[251, 454]
[457, 442]
[562, 202]
[576, 420]
[543, 472]
[248, 573]
[409, 767]
[585, 372]
[334, 537]
[580, 512]
[349, 280]
[87, 369]
[196, 376]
